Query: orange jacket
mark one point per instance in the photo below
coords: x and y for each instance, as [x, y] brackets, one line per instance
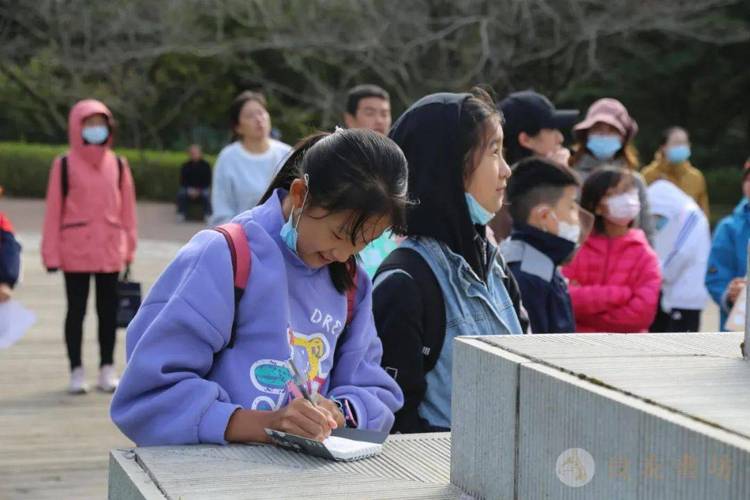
[683, 175]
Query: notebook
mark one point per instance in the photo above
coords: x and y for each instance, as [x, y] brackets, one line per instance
[736, 319]
[342, 445]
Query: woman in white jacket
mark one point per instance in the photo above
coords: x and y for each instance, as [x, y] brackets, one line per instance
[683, 241]
[245, 168]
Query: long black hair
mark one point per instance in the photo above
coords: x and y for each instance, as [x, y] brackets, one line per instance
[476, 127]
[357, 170]
[441, 135]
[596, 186]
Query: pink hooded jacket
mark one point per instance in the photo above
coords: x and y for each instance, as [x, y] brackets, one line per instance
[614, 284]
[94, 228]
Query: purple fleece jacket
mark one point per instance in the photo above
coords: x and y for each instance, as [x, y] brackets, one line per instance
[182, 384]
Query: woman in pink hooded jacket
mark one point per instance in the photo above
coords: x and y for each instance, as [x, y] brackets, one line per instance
[90, 228]
[614, 278]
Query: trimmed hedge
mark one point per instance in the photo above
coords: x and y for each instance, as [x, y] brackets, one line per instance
[24, 170]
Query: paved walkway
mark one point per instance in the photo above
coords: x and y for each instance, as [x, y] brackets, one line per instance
[53, 445]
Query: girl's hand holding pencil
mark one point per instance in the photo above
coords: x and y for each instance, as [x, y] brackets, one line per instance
[309, 416]
[300, 417]
[332, 408]
[304, 419]
[298, 388]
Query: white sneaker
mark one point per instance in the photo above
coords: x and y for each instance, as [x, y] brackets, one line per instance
[78, 382]
[107, 379]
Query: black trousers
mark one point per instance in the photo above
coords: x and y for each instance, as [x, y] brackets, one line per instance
[183, 200]
[677, 320]
[77, 291]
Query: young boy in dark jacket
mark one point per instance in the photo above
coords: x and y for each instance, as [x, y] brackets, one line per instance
[10, 258]
[546, 229]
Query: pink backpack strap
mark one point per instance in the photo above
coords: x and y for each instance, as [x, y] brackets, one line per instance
[239, 249]
[351, 298]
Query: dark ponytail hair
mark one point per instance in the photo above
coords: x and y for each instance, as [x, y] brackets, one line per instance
[357, 170]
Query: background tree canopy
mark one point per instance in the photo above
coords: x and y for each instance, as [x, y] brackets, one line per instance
[169, 69]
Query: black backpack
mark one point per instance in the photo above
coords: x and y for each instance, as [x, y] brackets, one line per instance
[64, 175]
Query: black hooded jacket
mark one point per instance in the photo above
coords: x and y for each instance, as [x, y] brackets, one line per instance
[408, 306]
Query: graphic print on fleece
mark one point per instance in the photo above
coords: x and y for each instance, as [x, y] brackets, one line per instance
[309, 352]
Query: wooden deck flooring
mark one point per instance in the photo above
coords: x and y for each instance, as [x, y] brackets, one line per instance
[54, 445]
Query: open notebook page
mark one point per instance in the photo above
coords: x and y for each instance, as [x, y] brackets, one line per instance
[343, 448]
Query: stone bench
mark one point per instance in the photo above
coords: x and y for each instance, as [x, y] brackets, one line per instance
[410, 466]
[601, 416]
[647, 416]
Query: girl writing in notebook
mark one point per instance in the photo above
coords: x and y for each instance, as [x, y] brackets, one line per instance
[186, 382]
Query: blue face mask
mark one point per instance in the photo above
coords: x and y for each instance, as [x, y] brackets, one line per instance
[288, 231]
[678, 154]
[659, 221]
[95, 135]
[603, 147]
[477, 212]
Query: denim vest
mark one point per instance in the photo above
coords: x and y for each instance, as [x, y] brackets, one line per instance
[471, 308]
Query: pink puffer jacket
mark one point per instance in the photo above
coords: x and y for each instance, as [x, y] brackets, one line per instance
[614, 284]
[94, 228]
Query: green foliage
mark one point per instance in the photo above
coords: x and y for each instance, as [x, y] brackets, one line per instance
[24, 170]
[724, 185]
[724, 191]
[169, 70]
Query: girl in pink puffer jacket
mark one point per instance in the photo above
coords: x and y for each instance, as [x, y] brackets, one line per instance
[90, 228]
[615, 277]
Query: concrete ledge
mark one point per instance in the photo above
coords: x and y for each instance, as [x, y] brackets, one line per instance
[410, 466]
[483, 414]
[639, 450]
[601, 416]
[127, 480]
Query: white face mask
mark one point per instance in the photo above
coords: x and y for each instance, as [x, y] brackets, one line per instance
[623, 208]
[566, 230]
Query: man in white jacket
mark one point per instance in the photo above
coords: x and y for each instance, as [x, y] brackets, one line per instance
[683, 242]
